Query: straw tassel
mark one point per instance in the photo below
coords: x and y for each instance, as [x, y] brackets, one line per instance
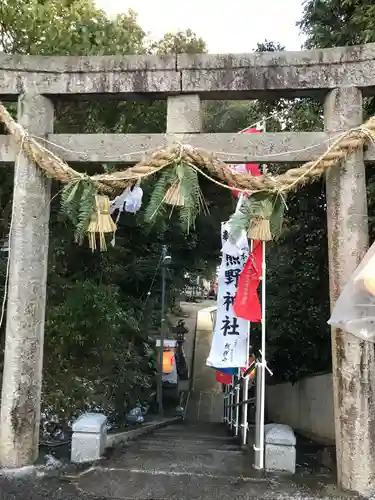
[174, 196]
[101, 223]
[259, 229]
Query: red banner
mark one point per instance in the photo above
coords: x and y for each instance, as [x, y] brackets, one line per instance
[224, 378]
[246, 303]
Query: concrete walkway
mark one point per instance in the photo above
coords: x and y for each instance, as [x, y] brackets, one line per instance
[182, 461]
[191, 310]
[188, 462]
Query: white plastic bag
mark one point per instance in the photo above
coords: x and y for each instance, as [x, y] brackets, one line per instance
[354, 311]
[135, 415]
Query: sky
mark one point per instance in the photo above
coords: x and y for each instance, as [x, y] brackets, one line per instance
[232, 26]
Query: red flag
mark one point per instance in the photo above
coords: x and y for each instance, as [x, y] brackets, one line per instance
[250, 168]
[246, 303]
[223, 378]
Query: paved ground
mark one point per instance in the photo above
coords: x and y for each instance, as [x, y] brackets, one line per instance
[185, 462]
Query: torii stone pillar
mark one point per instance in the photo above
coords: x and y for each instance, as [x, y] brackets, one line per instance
[353, 360]
[22, 377]
[184, 114]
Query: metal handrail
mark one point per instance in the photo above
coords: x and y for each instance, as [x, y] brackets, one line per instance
[241, 403]
[244, 375]
[232, 408]
[232, 405]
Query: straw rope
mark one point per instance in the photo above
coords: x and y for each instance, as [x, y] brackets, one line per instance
[56, 168]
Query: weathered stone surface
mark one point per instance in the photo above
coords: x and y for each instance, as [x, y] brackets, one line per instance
[280, 147]
[124, 84]
[184, 114]
[260, 74]
[89, 437]
[280, 458]
[280, 448]
[90, 423]
[22, 377]
[213, 76]
[121, 75]
[353, 362]
[279, 434]
[84, 64]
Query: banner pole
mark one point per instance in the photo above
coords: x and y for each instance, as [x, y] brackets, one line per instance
[245, 390]
[263, 353]
[263, 364]
[261, 367]
[258, 457]
[237, 418]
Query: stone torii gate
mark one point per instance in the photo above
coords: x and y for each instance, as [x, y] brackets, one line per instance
[339, 76]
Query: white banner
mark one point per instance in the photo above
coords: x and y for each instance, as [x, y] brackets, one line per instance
[230, 339]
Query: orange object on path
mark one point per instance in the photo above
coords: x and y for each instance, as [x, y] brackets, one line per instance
[168, 361]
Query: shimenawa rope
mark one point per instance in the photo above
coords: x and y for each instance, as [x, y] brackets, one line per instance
[56, 168]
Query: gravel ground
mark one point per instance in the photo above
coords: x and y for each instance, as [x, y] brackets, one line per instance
[41, 489]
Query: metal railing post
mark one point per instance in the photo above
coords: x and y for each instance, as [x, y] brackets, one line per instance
[230, 416]
[225, 405]
[237, 398]
[245, 395]
[259, 429]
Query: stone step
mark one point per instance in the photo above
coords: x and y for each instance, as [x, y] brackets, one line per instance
[189, 437]
[183, 446]
[181, 443]
[211, 431]
[222, 463]
[161, 484]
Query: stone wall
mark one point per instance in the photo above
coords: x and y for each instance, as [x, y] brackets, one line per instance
[307, 406]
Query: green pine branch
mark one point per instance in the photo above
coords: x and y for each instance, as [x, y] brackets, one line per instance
[187, 179]
[78, 204]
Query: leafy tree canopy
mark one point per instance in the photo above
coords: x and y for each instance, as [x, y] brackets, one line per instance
[99, 313]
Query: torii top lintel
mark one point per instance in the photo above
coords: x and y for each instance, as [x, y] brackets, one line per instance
[223, 76]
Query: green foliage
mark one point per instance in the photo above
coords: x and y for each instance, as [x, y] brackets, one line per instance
[184, 179]
[277, 215]
[78, 204]
[182, 42]
[297, 266]
[332, 23]
[90, 331]
[156, 204]
[98, 320]
[229, 116]
[299, 342]
[76, 27]
[192, 196]
[240, 221]
[259, 205]
[298, 338]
